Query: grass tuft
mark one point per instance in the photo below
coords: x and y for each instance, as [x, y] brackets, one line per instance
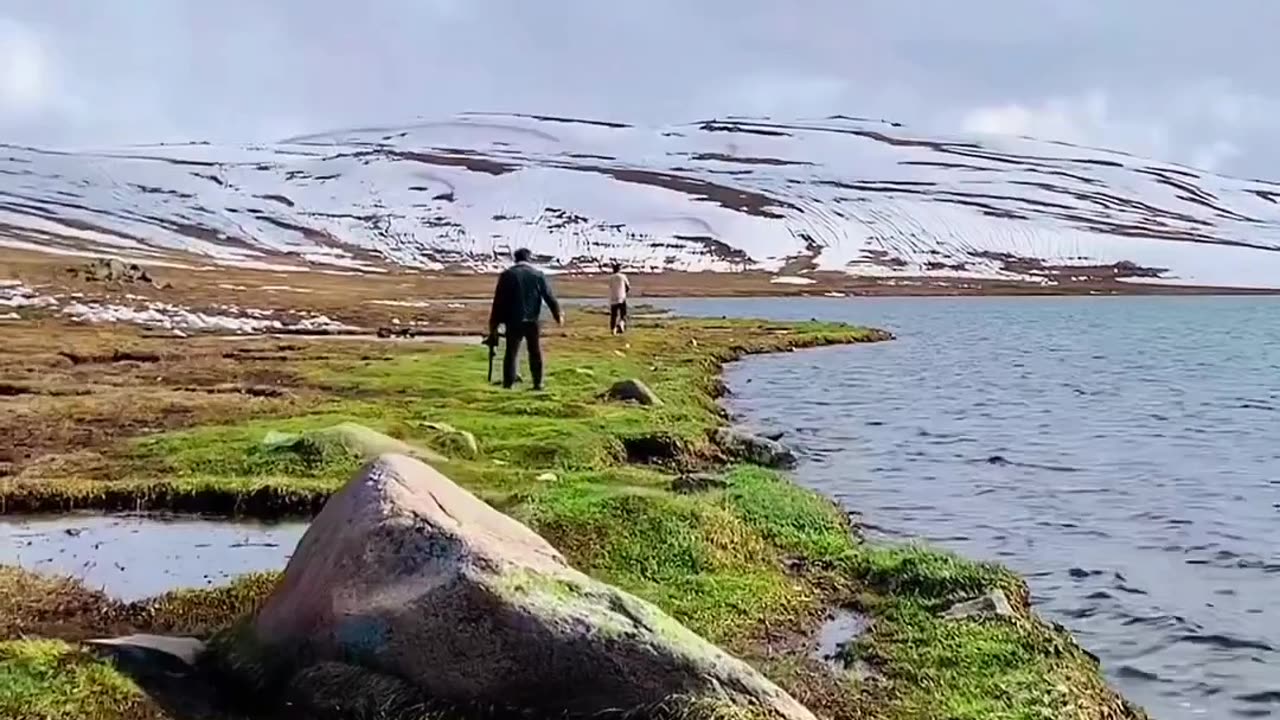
[932, 577]
[51, 680]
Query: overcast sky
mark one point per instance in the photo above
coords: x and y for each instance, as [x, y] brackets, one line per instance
[1184, 80]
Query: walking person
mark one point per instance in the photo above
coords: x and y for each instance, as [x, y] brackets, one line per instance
[619, 286]
[517, 304]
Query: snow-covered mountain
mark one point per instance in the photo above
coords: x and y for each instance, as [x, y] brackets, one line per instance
[841, 194]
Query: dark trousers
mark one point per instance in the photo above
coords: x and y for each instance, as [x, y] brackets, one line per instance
[617, 314]
[529, 333]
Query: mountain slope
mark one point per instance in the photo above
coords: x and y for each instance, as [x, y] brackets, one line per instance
[839, 194]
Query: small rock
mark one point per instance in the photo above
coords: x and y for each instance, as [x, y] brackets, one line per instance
[547, 477]
[453, 440]
[633, 391]
[741, 445]
[993, 604]
[698, 482]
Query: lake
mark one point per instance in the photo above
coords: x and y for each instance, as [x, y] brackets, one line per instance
[1121, 453]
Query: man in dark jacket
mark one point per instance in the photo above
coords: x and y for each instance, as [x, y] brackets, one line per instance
[517, 304]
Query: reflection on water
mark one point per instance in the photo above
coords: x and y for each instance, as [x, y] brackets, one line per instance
[1122, 453]
[138, 557]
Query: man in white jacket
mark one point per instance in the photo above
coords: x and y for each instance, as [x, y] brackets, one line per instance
[619, 285]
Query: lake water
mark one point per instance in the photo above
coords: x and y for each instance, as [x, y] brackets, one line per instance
[1121, 453]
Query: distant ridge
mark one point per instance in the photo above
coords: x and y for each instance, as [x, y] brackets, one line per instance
[851, 195]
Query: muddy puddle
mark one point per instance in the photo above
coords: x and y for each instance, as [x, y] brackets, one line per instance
[133, 557]
[842, 628]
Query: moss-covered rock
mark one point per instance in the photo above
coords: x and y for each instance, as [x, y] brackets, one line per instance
[344, 441]
[450, 440]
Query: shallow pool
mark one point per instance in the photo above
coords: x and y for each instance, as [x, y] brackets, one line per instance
[133, 557]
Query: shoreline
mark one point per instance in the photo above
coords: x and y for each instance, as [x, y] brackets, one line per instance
[791, 559]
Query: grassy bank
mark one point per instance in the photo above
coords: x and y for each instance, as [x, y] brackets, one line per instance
[751, 561]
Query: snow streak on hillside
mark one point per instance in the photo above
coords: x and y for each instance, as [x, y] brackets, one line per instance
[843, 194]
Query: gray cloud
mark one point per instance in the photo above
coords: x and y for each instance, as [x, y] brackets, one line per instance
[1179, 79]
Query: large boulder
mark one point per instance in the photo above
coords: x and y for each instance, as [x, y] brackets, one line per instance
[408, 576]
[744, 446]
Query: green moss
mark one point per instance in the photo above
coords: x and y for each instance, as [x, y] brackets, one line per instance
[931, 577]
[264, 497]
[202, 612]
[51, 680]
[533, 585]
[795, 520]
[567, 429]
[966, 669]
[697, 560]
[238, 452]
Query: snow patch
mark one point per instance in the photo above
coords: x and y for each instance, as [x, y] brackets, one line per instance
[173, 317]
[47, 249]
[259, 265]
[400, 303]
[21, 296]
